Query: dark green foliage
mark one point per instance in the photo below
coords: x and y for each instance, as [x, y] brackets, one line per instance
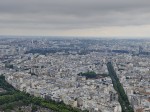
[14, 98]
[11, 105]
[7, 93]
[34, 108]
[5, 85]
[9, 66]
[123, 99]
[92, 75]
[103, 75]
[89, 74]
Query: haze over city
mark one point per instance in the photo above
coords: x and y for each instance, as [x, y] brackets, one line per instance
[99, 18]
[74, 56]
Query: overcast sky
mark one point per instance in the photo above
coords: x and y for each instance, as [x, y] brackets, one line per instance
[121, 18]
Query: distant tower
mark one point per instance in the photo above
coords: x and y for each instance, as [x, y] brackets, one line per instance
[32, 42]
[140, 49]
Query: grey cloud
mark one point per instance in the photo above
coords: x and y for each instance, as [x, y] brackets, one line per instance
[73, 14]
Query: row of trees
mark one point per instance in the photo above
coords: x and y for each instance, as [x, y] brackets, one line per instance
[123, 99]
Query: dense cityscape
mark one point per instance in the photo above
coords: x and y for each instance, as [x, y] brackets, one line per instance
[97, 75]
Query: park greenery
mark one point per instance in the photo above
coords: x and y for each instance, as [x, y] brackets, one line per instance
[13, 98]
[7, 65]
[92, 75]
[123, 99]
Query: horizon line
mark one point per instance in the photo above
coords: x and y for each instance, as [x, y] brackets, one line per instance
[75, 37]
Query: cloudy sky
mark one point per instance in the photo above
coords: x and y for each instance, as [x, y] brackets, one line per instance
[120, 18]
